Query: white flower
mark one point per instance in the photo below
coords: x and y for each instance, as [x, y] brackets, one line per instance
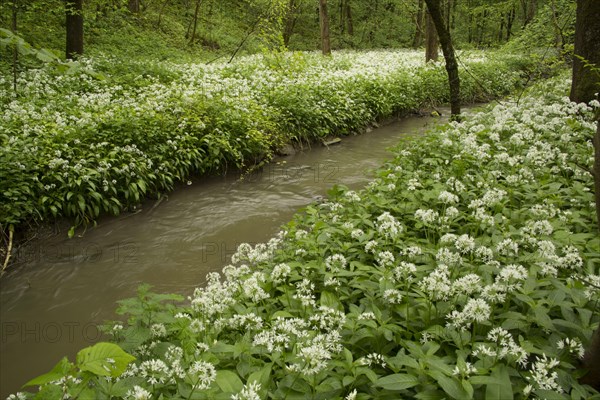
[280, 273]
[158, 330]
[542, 375]
[249, 392]
[448, 198]
[202, 374]
[392, 296]
[335, 263]
[464, 244]
[385, 258]
[508, 247]
[387, 225]
[428, 217]
[138, 393]
[356, 234]
[437, 284]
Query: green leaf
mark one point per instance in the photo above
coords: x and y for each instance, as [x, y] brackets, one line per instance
[501, 387]
[229, 381]
[397, 382]
[330, 300]
[60, 370]
[261, 376]
[104, 359]
[451, 386]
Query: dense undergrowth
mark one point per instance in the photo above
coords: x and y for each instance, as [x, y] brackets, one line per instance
[469, 268]
[111, 132]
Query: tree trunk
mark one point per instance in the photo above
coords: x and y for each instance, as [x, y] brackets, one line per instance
[591, 362]
[509, 22]
[74, 13]
[349, 18]
[529, 9]
[418, 38]
[587, 46]
[15, 58]
[596, 172]
[324, 23]
[134, 6]
[195, 23]
[431, 39]
[162, 10]
[586, 83]
[342, 16]
[290, 22]
[435, 11]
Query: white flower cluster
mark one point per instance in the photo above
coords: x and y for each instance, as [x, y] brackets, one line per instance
[388, 226]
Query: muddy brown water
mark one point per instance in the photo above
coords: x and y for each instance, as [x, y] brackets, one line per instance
[52, 304]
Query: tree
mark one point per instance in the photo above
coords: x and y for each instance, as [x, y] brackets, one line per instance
[431, 40]
[195, 21]
[134, 6]
[418, 38]
[74, 13]
[324, 23]
[291, 17]
[435, 10]
[586, 83]
[587, 52]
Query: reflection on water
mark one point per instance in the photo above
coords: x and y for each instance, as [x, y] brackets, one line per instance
[52, 305]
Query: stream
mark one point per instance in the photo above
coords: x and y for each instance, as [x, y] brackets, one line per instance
[52, 304]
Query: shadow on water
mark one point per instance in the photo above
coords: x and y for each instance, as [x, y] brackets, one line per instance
[52, 305]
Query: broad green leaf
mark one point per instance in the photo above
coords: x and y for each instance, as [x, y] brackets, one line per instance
[501, 387]
[330, 300]
[451, 386]
[229, 381]
[104, 359]
[261, 376]
[397, 382]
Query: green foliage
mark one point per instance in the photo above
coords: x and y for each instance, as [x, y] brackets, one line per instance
[469, 269]
[108, 134]
[95, 366]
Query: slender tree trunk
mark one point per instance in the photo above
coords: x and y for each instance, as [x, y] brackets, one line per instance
[431, 39]
[453, 16]
[15, 60]
[529, 8]
[195, 23]
[509, 22]
[74, 22]
[481, 25]
[160, 14]
[435, 11]
[596, 172]
[418, 38]
[324, 24]
[349, 18]
[342, 16]
[290, 22]
[134, 6]
[558, 35]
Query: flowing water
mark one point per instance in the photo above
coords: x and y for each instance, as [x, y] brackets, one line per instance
[52, 305]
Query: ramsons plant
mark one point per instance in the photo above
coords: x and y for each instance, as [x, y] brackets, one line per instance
[469, 269]
[110, 133]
